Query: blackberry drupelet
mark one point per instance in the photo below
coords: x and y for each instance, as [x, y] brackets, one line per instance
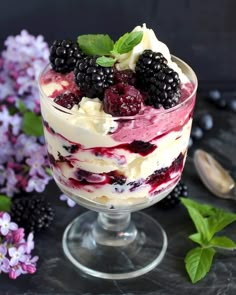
[64, 54]
[91, 78]
[32, 213]
[173, 199]
[160, 82]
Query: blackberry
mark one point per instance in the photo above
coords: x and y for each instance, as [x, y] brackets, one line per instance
[122, 100]
[32, 213]
[173, 199]
[141, 147]
[160, 82]
[64, 55]
[67, 100]
[91, 78]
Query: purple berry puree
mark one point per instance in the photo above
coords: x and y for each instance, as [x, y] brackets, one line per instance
[84, 180]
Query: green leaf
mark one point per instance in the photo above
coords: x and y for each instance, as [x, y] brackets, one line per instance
[223, 242]
[21, 106]
[200, 223]
[48, 171]
[197, 238]
[95, 44]
[32, 124]
[198, 262]
[105, 61]
[5, 203]
[127, 42]
[219, 221]
[204, 209]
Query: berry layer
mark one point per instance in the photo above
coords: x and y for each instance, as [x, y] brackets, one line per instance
[114, 160]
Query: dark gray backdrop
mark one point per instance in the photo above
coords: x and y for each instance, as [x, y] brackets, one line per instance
[203, 32]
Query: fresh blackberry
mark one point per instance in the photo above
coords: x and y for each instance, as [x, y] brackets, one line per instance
[32, 213]
[64, 55]
[158, 80]
[173, 199]
[67, 100]
[125, 76]
[122, 100]
[91, 78]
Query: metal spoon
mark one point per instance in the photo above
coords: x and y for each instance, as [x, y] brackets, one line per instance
[214, 176]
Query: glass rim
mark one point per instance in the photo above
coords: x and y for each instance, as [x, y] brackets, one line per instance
[161, 112]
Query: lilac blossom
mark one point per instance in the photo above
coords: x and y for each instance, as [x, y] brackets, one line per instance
[15, 250]
[69, 201]
[6, 225]
[36, 183]
[10, 189]
[36, 163]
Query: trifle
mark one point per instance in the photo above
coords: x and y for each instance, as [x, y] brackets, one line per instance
[117, 118]
[117, 134]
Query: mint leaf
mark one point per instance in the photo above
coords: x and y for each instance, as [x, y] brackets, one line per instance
[197, 238]
[21, 106]
[223, 242]
[5, 203]
[105, 61]
[204, 209]
[127, 42]
[198, 262]
[32, 124]
[219, 221]
[95, 44]
[200, 223]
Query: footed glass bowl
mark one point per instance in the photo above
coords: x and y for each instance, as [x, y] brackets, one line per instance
[115, 166]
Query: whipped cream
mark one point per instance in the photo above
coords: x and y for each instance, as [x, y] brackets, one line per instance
[149, 41]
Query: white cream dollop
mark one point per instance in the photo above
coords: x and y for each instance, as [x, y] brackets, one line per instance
[149, 41]
[90, 114]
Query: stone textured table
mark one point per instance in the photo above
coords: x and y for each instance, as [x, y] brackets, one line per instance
[56, 275]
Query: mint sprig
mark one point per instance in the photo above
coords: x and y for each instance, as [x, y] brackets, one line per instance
[208, 221]
[103, 46]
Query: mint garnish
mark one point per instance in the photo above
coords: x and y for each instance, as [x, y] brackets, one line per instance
[127, 42]
[5, 203]
[103, 46]
[95, 44]
[208, 221]
[105, 61]
[32, 124]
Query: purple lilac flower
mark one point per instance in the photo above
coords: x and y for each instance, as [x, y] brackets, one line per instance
[17, 255]
[69, 201]
[5, 147]
[25, 146]
[4, 262]
[15, 251]
[38, 184]
[36, 163]
[2, 174]
[6, 225]
[10, 189]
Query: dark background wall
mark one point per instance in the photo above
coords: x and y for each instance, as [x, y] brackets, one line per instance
[202, 32]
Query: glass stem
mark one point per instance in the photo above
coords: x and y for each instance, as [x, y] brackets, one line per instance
[114, 229]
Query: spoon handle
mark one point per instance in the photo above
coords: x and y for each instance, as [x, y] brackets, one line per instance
[232, 193]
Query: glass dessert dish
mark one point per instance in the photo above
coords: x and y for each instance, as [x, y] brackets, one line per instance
[115, 165]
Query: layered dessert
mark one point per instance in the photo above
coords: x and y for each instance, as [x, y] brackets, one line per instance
[117, 117]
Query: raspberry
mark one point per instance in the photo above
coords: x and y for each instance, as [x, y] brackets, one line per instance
[91, 78]
[126, 76]
[33, 213]
[157, 79]
[173, 199]
[122, 100]
[67, 100]
[64, 55]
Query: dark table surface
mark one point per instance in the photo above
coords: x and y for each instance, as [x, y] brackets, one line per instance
[56, 275]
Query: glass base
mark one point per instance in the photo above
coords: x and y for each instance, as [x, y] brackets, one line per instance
[111, 246]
